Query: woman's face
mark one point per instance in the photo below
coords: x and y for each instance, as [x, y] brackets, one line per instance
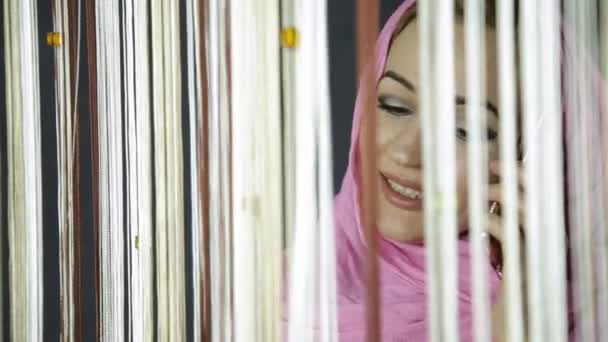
[398, 137]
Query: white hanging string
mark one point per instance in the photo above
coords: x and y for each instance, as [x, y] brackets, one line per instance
[508, 152]
[257, 176]
[477, 163]
[160, 168]
[194, 118]
[302, 281]
[177, 289]
[225, 169]
[579, 99]
[144, 239]
[551, 163]
[102, 103]
[288, 56]
[111, 171]
[214, 99]
[219, 175]
[64, 126]
[328, 315]
[604, 38]
[601, 162]
[426, 90]
[531, 110]
[593, 111]
[245, 114]
[24, 165]
[545, 238]
[312, 283]
[137, 305]
[437, 112]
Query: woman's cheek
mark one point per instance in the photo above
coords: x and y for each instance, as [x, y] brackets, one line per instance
[385, 132]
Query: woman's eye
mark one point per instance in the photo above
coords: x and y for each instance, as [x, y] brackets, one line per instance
[393, 105]
[492, 134]
[461, 134]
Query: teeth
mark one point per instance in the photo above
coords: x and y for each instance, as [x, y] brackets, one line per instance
[405, 191]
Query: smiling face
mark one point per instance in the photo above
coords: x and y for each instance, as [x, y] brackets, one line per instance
[398, 136]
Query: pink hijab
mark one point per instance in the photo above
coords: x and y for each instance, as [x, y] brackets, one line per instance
[403, 293]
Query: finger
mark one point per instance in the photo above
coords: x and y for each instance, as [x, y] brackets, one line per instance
[496, 169]
[495, 227]
[495, 195]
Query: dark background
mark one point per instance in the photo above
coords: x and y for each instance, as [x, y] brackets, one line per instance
[342, 55]
[343, 91]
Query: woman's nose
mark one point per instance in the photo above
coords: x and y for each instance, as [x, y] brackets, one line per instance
[406, 148]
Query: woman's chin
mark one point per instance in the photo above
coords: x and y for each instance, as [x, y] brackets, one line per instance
[401, 232]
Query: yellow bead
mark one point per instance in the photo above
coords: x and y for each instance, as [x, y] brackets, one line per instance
[289, 37]
[54, 39]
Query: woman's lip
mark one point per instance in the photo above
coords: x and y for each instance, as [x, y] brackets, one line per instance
[397, 199]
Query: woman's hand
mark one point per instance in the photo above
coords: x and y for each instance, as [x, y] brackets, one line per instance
[496, 230]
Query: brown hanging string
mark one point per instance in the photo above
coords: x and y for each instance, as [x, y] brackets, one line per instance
[92, 73]
[203, 183]
[74, 34]
[367, 31]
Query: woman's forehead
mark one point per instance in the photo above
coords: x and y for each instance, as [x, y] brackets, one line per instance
[404, 56]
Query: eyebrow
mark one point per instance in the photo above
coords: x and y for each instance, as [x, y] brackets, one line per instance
[461, 100]
[399, 79]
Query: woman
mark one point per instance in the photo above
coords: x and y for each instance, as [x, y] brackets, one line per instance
[403, 295]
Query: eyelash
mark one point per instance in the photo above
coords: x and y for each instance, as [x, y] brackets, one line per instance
[461, 133]
[404, 111]
[393, 110]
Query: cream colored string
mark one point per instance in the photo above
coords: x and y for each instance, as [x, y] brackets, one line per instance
[24, 165]
[178, 304]
[437, 111]
[508, 152]
[477, 163]
[169, 171]
[160, 173]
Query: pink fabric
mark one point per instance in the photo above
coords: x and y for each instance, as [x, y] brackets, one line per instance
[402, 265]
